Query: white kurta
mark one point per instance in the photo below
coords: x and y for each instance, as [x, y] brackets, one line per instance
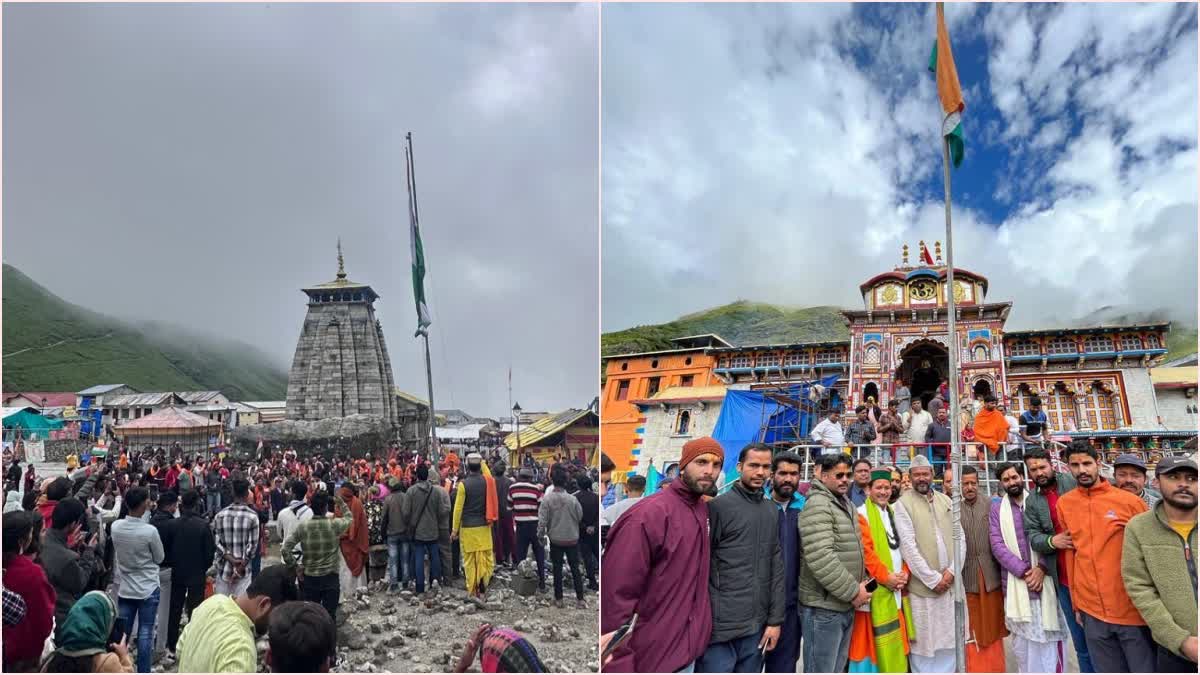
[916, 424]
[933, 618]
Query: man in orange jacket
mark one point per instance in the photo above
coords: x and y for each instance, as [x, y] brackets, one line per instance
[1095, 514]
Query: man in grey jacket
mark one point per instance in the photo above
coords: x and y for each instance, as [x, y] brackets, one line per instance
[558, 519]
[745, 581]
[832, 568]
[398, 537]
[421, 515]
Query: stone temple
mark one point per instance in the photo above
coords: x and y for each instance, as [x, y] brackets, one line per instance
[341, 366]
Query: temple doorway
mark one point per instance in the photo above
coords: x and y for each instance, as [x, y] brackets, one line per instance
[923, 365]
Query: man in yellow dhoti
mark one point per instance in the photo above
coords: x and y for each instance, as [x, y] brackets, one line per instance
[476, 507]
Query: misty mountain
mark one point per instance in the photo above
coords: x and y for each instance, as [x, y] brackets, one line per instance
[53, 345]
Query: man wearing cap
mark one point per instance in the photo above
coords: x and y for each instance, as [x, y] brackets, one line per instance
[1129, 474]
[1158, 563]
[927, 535]
[657, 567]
[524, 500]
[476, 508]
[743, 527]
[1095, 514]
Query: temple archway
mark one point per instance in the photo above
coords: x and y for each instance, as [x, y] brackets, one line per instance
[923, 365]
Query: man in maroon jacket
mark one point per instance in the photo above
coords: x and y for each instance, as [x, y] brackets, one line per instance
[657, 565]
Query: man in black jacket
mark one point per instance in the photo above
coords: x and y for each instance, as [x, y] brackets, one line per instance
[68, 571]
[192, 548]
[589, 529]
[745, 580]
[161, 518]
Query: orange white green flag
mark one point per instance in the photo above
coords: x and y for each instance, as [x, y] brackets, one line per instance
[941, 62]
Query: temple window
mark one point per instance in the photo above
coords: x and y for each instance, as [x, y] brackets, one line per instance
[767, 359]
[1152, 342]
[622, 390]
[1060, 408]
[740, 361]
[652, 387]
[1025, 348]
[828, 356]
[979, 353]
[795, 359]
[683, 423]
[1130, 343]
[871, 354]
[1097, 343]
[1061, 345]
[1098, 406]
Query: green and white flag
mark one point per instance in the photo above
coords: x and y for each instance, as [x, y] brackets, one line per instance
[418, 276]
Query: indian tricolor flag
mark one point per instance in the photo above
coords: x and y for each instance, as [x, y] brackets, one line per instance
[941, 62]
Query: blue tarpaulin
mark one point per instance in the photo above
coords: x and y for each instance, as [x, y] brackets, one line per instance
[745, 415]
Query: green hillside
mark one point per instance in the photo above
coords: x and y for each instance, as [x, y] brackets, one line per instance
[744, 322]
[53, 345]
[740, 323]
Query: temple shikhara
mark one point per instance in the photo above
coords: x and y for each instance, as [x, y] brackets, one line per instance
[1109, 384]
[341, 366]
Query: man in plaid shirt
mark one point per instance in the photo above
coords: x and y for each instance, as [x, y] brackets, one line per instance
[236, 532]
[14, 608]
[319, 538]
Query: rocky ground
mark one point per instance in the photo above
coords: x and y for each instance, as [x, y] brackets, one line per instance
[380, 632]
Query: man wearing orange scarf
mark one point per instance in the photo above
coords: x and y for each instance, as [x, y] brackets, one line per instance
[991, 428]
[355, 544]
[476, 507]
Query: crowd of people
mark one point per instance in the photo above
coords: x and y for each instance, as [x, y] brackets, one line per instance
[102, 565]
[855, 570]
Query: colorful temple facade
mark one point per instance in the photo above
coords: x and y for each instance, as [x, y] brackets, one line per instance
[1094, 382]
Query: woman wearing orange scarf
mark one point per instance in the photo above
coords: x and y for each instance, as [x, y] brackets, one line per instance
[355, 544]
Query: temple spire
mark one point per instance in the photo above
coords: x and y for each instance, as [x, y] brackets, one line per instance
[341, 273]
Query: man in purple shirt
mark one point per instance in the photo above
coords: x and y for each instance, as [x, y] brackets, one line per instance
[1035, 621]
[656, 566]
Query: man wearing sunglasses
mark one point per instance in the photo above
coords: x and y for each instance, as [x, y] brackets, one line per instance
[832, 568]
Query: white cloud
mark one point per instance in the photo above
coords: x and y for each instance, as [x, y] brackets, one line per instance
[722, 183]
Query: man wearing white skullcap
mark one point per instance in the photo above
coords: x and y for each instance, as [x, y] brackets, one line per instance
[927, 532]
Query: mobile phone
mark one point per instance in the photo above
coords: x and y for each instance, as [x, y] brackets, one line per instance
[118, 632]
[619, 638]
[872, 584]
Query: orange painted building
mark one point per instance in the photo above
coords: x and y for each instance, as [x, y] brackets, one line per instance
[631, 377]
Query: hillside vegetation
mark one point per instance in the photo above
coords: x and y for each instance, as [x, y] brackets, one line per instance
[745, 323]
[53, 345]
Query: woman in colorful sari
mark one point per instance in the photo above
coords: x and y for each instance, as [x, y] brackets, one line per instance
[883, 627]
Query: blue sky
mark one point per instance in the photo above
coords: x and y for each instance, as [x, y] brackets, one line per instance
[784, 153]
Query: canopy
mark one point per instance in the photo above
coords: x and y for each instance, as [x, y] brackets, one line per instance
[754, 417]
[24, 418]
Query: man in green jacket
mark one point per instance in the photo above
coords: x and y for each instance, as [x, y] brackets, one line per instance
[832, 568]
[1046, 536]
[1158, 566]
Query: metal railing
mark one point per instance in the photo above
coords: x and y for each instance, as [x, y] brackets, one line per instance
[899, 455]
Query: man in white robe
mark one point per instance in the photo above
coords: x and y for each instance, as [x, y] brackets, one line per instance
[927, 533]
[1031, 610]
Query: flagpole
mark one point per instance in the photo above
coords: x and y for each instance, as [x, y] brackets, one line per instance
[960, 648]
[414, 218]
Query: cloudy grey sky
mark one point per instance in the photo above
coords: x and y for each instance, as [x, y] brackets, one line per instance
[784, 153]
[186, 162]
